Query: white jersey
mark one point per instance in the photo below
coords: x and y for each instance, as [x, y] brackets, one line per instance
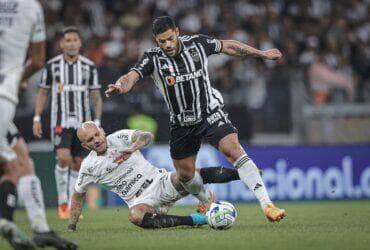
[21, 22]
[128, 179]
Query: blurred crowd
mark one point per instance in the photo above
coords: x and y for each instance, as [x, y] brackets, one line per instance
[326, 47]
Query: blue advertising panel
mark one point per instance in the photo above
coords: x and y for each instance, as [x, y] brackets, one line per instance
[289, 172]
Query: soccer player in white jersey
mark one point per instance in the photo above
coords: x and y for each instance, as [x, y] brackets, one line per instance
[21, 28]
[116, 162]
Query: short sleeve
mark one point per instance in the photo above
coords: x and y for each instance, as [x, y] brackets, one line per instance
[145, 66]
[83, 181]
[211, 45]
[46, 78]
[38, 29]
[94, 79]
[124, 136]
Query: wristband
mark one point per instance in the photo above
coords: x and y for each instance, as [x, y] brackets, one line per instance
[37, 118]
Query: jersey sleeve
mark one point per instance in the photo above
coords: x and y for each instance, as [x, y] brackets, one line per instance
[211, 45]
[94, 79]
[124, 136]
[46, 78]
[145, 66]
[38, 33]
[84, 179]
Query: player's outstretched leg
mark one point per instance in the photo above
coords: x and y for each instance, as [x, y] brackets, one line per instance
[250, 175]
[146, 217]
[218, 175]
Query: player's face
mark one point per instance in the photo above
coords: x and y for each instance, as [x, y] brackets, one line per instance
[71, 44]
[168, 41]
[95, 140]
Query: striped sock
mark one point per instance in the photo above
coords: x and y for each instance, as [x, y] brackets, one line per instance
[250, 175]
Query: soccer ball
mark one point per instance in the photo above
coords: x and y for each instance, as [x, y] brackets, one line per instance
[221, 215]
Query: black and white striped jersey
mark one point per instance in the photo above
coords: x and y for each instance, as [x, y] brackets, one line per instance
[70, 85]
[184, 80]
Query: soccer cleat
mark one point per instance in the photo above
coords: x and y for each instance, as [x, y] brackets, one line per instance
[198, 219]
[203, 207]
[51, 239]
[16, 238]
[273, 213]
[63, 211]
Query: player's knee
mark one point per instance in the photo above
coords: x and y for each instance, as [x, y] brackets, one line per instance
[185, 175]
[135, 217]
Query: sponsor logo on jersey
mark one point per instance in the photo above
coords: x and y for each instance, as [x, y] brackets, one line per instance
[214, 118]
[60, 87]
[170, 80]
[189, 76]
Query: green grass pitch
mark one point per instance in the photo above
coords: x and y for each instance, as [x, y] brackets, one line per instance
[309, 225]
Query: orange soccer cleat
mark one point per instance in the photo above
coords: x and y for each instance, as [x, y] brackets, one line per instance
[203, 207]
[63, 211]
[273, 213]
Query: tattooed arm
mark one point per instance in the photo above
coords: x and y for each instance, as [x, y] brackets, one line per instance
[236, 48]
[139, 139]
[76, 208]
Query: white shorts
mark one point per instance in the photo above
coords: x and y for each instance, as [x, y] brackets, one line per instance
[7, 114]
[161, 194]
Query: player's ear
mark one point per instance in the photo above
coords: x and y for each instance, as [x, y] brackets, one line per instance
[84, 145]
[177, 31]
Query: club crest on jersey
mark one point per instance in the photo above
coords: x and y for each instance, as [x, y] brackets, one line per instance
[170, 80]
[194, 54]
[60, 87]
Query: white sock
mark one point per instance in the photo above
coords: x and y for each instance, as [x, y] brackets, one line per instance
[29, 190]
[61, 179]
[196, 188]
[249, 174]
[73, 175]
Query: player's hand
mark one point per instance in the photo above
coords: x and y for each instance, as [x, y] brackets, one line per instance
[37, 129]
[272, 54]
[72, 227]
[124, 155]
[113, 89]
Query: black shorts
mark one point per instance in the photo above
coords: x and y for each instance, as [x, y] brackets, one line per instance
[67, 138]
[185, 141]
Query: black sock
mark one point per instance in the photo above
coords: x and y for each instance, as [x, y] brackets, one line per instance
[8, 199]
[218, 175]
[162, 220]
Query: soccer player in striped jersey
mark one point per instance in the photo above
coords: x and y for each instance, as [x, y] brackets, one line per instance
[72, 80]
[179, 68]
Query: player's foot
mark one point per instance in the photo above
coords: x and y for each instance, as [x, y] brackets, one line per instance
[63, 211]
[203, 207]
[51, 239]
[273, 213]
[16, 238]
[198, 219]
